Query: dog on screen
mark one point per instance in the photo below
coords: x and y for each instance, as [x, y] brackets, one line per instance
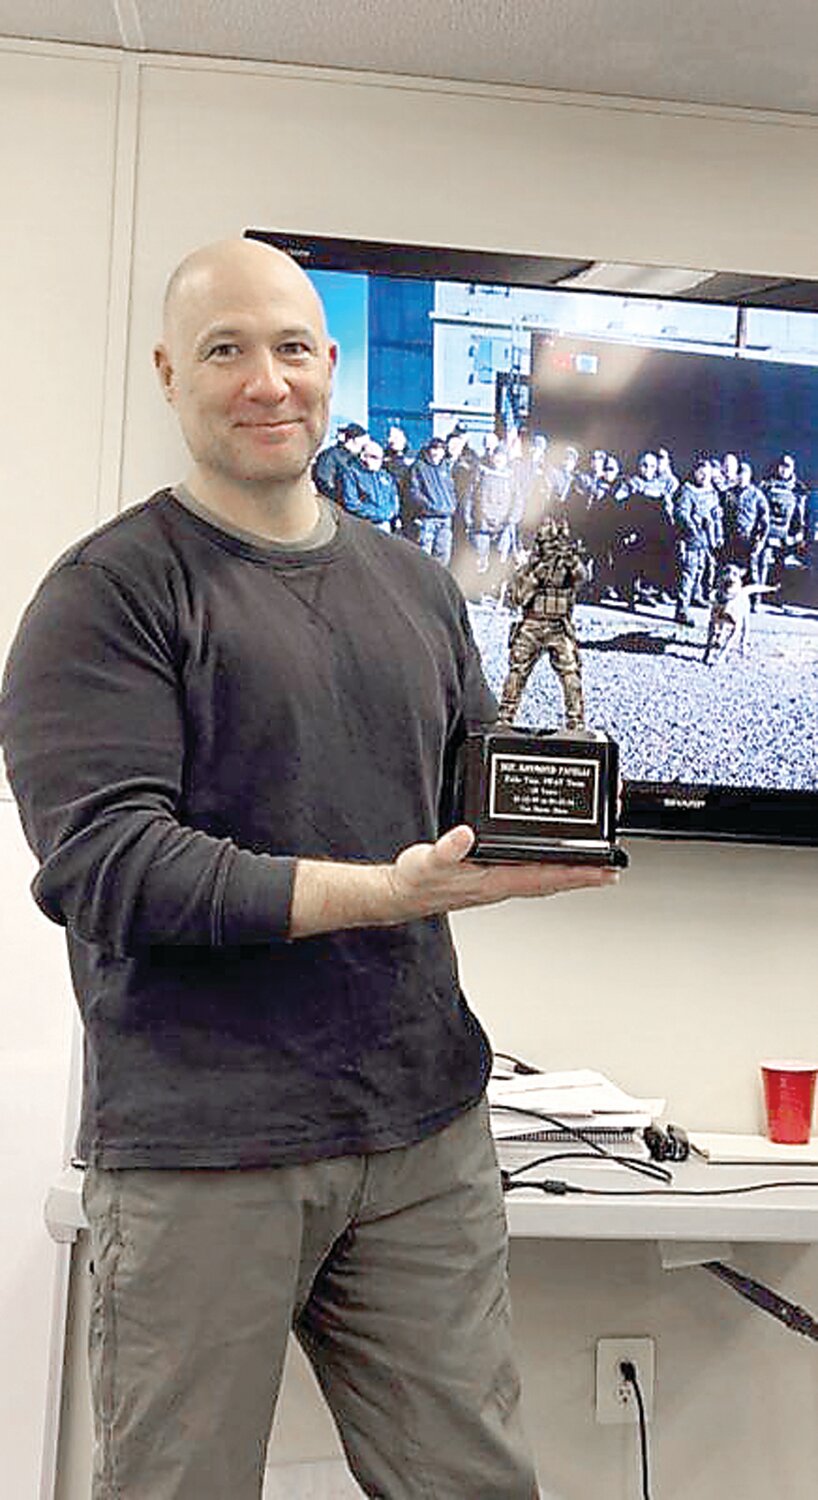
[728, 630]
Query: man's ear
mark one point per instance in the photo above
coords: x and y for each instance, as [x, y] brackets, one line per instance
[164, 369]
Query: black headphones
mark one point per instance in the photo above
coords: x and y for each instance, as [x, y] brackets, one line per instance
[668, 1144]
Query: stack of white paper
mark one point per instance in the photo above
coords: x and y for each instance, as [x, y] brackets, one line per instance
[580, 1100]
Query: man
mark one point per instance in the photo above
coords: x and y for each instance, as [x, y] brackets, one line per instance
[649, 512]
[433, 501]
[597, 518]
[333, 463]
[590, 481]
[457, 441]
[228, 717]
[368, 489]
[725, 475]
[667, 474]
[398, 459]
[396, 449]
[745, 522]
[697, 529]
[786, 503]
[530, 483]
[496, 509]
[561, 478]
[545, 590]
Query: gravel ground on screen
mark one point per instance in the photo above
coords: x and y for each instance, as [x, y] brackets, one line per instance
[744, 721]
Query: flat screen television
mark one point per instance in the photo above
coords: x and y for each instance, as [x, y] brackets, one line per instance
[606, 390]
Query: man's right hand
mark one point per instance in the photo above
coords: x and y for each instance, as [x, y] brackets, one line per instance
[424, 880]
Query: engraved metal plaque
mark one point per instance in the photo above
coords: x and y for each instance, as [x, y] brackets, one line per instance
[542, 795]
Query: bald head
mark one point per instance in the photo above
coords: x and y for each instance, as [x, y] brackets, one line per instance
[247, 365]
[239, 264]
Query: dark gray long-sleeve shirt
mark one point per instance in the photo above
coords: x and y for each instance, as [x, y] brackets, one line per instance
[184, 714]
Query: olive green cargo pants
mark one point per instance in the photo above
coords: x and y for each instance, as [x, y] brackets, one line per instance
[390, 1269]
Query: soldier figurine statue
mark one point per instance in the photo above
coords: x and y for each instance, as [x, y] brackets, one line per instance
[544, 589]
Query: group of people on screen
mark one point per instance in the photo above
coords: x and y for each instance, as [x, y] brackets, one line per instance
[651, 535]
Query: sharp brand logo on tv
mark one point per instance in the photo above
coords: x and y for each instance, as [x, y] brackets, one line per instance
[684, 801]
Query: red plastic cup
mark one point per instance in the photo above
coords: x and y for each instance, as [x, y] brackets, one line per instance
[789, 1100]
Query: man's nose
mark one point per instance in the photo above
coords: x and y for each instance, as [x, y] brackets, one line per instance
[265, 378]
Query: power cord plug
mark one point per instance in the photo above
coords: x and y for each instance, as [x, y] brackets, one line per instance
[627, 1370]
[557, 1186]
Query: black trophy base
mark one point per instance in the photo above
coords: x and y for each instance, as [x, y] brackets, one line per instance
[542, 795]
[499, 851]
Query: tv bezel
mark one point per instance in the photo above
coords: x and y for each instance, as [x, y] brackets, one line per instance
[658, 809]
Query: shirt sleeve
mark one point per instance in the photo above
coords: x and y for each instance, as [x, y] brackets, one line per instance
[93, 731]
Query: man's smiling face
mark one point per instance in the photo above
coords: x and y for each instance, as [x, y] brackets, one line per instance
[247, 365]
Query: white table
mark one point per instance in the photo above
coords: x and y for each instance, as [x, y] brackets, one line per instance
[788, 1215]
[649, 1212]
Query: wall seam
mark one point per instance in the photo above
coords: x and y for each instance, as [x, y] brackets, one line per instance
[120, 271]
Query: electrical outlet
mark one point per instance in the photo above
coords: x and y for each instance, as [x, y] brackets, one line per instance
[615, 1397]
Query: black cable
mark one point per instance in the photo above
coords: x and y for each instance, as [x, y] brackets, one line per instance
[673, 1192]
[543, 1161]
[517, 1064]
[789, 1313]
[648, 1169]
[628, 1370]
[660, 1175]
[641, 1168]
[553, 1185]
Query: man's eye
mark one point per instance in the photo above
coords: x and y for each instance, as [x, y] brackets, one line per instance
[223, 351]
[294, 349]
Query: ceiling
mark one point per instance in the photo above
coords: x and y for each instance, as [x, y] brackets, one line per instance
[740, 53]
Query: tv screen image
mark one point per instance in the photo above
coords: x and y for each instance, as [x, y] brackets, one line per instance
[676, 438]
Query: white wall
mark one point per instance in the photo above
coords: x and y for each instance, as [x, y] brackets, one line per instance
[703, 959]
[57, 150]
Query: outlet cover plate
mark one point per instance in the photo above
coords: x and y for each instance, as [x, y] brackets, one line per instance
[615, 1397]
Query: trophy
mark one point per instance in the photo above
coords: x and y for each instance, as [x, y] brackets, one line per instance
[541, 795]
